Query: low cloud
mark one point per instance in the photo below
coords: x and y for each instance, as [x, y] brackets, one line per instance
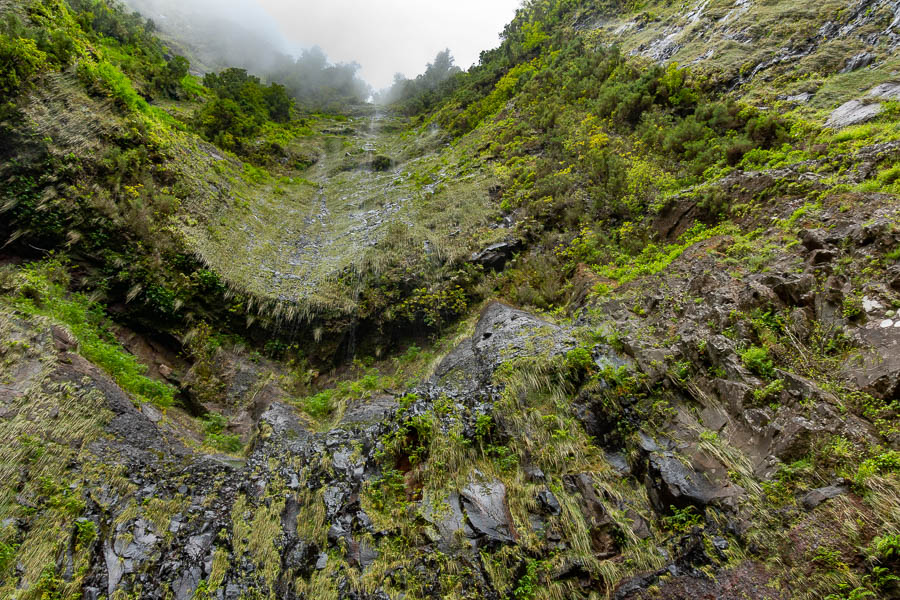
[383, 36]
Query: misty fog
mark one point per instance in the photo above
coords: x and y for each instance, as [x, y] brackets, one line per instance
[326, 53]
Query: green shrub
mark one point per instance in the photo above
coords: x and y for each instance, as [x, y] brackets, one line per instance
[410, 440]
[386, 491]
[828, 558]
[527, 585]
[49, 585]
[890, 175]
[579, 360]
[214, 426]
[214, 423]
[858, 593]
[756, 358]
[483, 426]
[20, 59]
[682, 520]
[886, 462]
[886, 548]
[434, 308]
[8, 552]
[242, 105]
[852, 306]
[320, 405]
[225, 442]
[771, 391]
[85, 533]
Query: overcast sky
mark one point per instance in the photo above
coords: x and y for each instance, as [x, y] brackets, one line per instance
[390, 36]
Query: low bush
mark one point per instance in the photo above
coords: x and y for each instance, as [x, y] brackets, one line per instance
[319, 405]
[756, 358]
[20, 60]
[214, 426]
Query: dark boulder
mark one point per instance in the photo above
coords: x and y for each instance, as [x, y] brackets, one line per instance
[821, 257]
[494, 257]
[548, 502]
[814, 498]
[448, 520]
[812, 239]
[790, 289]
[857, 62]
[502, 333]
[300, 557]
[672, 483]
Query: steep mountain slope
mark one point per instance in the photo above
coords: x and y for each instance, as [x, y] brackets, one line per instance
[590, 325]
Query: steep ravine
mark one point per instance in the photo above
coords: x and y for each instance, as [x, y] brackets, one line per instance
[409, 490]
[588, 326]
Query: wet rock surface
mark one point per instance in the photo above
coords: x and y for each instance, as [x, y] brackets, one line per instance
[485, 506]
[502, 334]
[674, 484]
[496, 255]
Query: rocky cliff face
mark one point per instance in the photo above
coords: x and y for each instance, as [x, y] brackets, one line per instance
[604, 336]
[412, 493]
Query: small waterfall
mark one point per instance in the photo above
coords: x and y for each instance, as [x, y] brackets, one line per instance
[350, 353]
[370, 147]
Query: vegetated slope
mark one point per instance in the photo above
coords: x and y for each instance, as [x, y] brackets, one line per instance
[697, 396]
[109, 155]
[374, 208]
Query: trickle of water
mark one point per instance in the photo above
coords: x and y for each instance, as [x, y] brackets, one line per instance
[370, 147]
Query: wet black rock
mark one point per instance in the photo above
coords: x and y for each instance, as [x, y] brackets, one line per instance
[449, 521]
[858, 62]
[502, 333]
[485, 507]
[496, 255]
[300, 557]
[548, 502]
[535, 475]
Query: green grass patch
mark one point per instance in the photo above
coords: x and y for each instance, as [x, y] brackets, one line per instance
[654, 259]
[41, 290]
[120, 87]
